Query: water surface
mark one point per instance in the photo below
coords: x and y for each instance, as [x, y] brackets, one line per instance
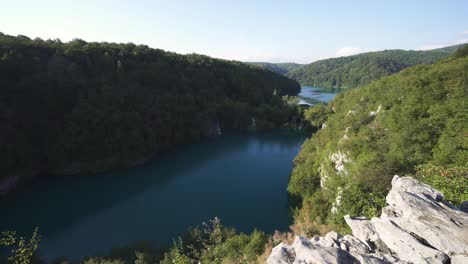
[240, 178]
[314, 95]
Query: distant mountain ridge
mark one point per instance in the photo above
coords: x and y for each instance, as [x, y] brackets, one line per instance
[361, 69]
[281, 68]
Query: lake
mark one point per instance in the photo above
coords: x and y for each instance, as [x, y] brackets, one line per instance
[314, 95]
[240, 178]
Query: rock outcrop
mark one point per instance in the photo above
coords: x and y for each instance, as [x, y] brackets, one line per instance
[416, 226]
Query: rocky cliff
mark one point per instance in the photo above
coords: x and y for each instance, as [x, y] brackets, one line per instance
[416, 226]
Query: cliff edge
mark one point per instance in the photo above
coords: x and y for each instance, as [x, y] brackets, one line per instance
[416, 226]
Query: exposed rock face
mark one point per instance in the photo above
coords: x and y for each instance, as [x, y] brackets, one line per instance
[339, 159]
[417, 226]
[374, 113]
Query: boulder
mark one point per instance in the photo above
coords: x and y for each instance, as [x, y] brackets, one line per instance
[416, 226]
[419, 210]
[304, 251]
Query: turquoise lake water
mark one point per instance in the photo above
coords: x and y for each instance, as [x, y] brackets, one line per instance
[315, 95]
[240, 178]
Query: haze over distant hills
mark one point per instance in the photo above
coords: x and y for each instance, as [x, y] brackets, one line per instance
[356, 70]
[362, 69]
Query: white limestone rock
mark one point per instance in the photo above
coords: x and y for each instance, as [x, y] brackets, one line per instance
[404, 245]
[353, 245]
[308, 252]
[282, 254]
[419, 210]
[339, 159]
[374, 113]
[459, 259]
[417, 226]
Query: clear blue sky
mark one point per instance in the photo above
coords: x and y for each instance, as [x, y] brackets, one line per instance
[248, 30]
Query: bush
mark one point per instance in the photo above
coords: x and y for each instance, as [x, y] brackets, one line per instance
[103, 261]
[317, 115]
[388, 127]
[214, 243]
[22, 251]
[451, 181]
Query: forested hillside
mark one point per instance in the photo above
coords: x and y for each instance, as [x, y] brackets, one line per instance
[413, 122]
[76, 107]
[361, 69]
[281, 68]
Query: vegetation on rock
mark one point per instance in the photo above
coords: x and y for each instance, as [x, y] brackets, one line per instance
[389, 127]
[77, 106]
[451, 181]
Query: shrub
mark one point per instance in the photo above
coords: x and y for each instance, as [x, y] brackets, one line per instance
[22, 252]
[451, 181]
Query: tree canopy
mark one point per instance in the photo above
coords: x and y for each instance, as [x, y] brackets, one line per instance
[281, 68]
[75, 107]
[362, 69]
[392, 126]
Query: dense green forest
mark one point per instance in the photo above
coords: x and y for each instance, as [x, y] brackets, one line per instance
[413, 122]
[361, 69]
[281, 68]
[409, 123]
[75, 107]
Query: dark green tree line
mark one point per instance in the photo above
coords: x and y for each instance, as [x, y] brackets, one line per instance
[75, 107]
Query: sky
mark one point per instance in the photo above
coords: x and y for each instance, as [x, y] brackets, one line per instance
[247, 30]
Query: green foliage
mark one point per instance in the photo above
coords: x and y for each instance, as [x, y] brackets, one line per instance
[280, 68]
[357, 200]
[317, 115]
[22, 251]
[451, 181]
[78, 107]
[176, 255]
[214, 243]
[103, 261]
[361, 69]
[389, 127]
[290, 100]
[137, 252]
[461, 52]
[138, 257]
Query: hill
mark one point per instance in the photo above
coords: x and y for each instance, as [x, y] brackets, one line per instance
[361, 69]
[281, 68]
[412, 122]
[69, 108]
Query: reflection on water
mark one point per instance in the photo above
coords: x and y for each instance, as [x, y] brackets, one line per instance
[316, 95]
[241, 178]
